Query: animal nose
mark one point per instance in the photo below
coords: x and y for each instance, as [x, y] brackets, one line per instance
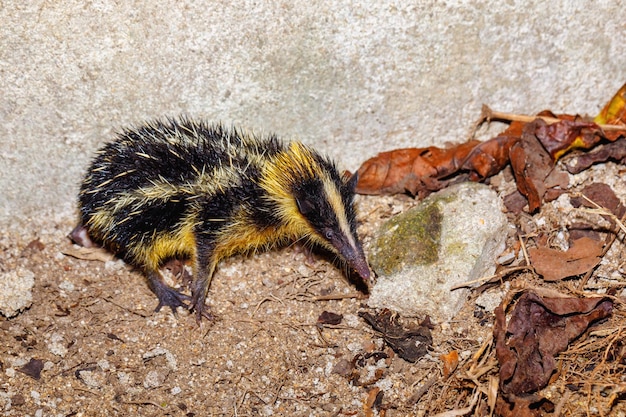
[361, 267]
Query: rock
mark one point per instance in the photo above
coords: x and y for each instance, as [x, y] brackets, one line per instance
[56, 344]
[452, 237]
[154, 379]
[169, 357]
[92, 379]
[15, 291]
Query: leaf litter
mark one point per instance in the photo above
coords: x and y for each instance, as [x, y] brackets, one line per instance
[531, 147]
[554, 353]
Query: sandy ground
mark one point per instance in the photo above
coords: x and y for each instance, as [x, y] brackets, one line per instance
[104, 351]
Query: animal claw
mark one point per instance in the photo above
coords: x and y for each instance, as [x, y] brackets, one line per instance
[171, 298]
[201, 310]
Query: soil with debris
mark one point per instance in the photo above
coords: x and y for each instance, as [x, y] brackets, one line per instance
[92, 345]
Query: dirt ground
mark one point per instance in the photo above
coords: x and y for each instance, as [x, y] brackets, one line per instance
[105, 352]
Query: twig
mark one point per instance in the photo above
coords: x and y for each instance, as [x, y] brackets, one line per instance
[561, 403]
[280, 386]
[492, 394]
[609, 346]
[110, 300]
[413, 399]
[489, 114]
[524, 251]
[329, 297]
[95, 394]
[144, 402]
[494, 277]
[266, 299]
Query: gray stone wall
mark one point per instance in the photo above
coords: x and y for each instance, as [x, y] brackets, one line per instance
[353, 77]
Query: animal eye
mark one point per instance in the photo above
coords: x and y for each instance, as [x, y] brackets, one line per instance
[328, 234]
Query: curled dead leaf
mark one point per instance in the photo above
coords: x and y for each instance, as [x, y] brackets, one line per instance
[418, 171]
[614, 151]
[533, 166]
[566, 135]
[539, 328]
[490, 157]
[410, 341]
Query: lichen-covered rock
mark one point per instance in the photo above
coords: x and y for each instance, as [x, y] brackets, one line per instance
[452, 237]
[15, 291]
[408, 239]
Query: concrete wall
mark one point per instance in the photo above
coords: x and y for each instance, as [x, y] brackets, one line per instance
[352, 77]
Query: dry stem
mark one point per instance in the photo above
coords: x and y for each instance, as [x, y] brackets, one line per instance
[489, 114]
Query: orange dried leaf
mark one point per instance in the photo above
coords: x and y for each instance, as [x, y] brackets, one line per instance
[371, 401]
[490, 157]
[525, 144]
[418, 171]
[450, 362]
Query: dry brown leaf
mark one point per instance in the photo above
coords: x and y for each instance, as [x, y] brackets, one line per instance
[328, 317]
[95, 253]
[570, 133]
[410, 342]
[539, 328]
[599, 197]
[614, 151]
[33, 368]
[554, 265]
[532, 166]
[490, 157]
[602, 195]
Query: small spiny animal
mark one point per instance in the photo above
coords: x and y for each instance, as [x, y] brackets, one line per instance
[186, 189]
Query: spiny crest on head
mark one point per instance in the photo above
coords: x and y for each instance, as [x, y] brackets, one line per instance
[297, 162]
[290, 168]
[294, 164]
